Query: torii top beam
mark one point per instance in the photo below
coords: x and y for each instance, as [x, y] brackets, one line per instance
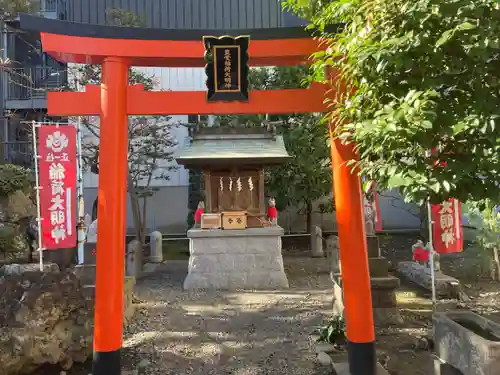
[71, 42]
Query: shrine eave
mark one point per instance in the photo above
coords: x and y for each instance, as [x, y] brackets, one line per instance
[223, 152]
[71, 42]
[211, 163]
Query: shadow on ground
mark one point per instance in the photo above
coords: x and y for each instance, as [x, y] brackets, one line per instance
[240, 333]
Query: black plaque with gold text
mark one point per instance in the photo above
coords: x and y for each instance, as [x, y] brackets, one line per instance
[227, 68]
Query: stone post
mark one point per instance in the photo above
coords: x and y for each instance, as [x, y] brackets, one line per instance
[317, 242]
[333, 253]
[134, 258]
[156, 247]
[86, 272]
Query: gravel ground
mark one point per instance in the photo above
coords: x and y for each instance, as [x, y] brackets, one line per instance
[260, 333]
[238, 333]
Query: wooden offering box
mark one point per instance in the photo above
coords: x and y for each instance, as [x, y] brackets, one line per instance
[211, 221]
[234, 220]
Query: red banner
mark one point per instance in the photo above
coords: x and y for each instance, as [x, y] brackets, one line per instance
[447, 227]
[57, 171]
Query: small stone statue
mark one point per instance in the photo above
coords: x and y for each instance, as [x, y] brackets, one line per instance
[272, 212]
[92, 232]
[369, 218]
[437, 262]
[421, 255]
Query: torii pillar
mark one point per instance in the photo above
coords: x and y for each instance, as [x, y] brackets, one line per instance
[112, 215]
[118, 48]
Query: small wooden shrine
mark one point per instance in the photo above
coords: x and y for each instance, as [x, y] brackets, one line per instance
[234, 247]
[233, 162]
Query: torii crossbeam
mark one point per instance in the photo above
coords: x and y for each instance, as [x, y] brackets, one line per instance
[119, 48]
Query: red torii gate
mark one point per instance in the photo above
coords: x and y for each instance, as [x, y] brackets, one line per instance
[119, 48]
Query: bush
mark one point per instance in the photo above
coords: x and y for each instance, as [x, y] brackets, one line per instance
[334, 332]
[14, 178]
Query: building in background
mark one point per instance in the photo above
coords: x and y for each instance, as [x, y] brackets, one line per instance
[24, 87]
[24, 84]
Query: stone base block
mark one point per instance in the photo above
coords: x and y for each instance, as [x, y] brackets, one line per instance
[128, 298]
[446, 286]
[379, 267]
[383, 317]
[373, 247]
[233, 281]
[385, 283]
[343, 369]
[236, 259]
[385, 310]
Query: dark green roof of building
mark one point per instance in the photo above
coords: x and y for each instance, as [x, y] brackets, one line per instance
[234, 148]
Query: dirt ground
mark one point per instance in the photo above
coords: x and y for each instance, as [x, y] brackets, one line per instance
[259, 333]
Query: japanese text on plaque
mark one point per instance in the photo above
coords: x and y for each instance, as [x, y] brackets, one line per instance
[228, 83]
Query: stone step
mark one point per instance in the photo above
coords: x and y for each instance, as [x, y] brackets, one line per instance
[343, 369]
[379, 267]
[387, 282]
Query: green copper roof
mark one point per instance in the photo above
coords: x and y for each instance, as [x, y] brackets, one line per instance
[234, 148]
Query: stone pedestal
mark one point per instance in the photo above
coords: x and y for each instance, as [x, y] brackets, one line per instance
[236, 259]
[385, 309]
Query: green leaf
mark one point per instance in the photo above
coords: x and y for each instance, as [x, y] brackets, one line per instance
[465, 26]
[397, 180]
[445, 37]
[436, 187]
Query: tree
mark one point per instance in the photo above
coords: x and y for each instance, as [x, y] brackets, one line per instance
[421, 91]
[150, 158]
[150, 139]
[150, 147]
[307, 177]
[9, 9]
